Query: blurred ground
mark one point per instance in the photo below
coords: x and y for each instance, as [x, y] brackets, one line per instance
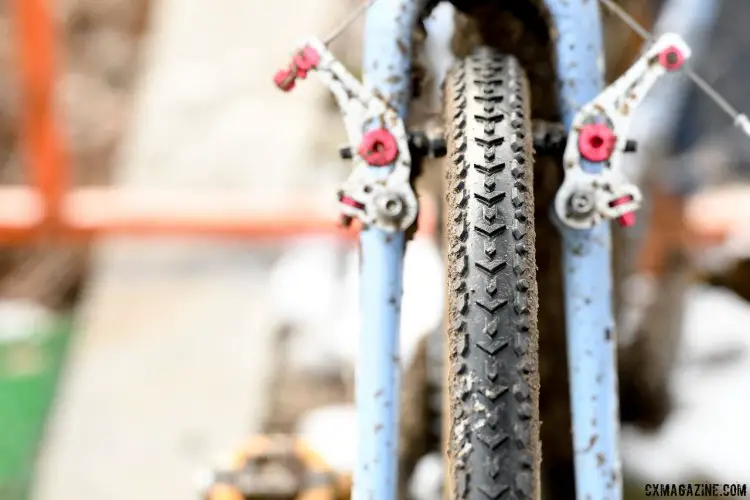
[172, 352]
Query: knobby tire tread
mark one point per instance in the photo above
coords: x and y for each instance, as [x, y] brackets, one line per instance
[494, 446]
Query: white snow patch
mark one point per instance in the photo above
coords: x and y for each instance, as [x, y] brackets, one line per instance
[708, 432]
[321, 299]
[332, 432]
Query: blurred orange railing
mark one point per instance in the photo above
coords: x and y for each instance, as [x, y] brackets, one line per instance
[50, 208]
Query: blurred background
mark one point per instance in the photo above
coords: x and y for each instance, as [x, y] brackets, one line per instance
[130, 366]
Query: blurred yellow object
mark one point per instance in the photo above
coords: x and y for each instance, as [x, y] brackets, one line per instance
[279, 466]
[224, 492]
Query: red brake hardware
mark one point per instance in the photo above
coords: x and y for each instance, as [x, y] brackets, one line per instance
[671, 58]
[305, 60]
[284, 79]
[346, 200]
[596, 142]
[302, 62]
[379, 148]
[627, 219]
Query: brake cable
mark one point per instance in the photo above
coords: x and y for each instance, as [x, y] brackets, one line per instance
[740, 120]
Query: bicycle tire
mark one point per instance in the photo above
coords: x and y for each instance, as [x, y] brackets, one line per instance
[494, 448]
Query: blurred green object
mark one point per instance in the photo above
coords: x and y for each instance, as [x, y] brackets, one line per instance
[29, 370]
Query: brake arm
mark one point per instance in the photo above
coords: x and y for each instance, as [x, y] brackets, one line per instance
[599, 135]
[387, 201]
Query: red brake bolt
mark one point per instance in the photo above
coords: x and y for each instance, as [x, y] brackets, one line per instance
[302, 62]
[596, 142]
[379, 148]
[305, 60]
[346, 200]
[671, 58]
[626, 219]
[346, 220]
[284, 79]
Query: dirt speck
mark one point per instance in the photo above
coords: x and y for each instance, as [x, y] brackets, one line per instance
[402, 47]
[592, 441]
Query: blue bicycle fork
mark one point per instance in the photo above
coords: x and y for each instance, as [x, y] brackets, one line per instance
[387, 67]
[587, 264]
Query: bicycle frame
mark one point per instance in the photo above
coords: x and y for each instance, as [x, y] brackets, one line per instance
[587, 260]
